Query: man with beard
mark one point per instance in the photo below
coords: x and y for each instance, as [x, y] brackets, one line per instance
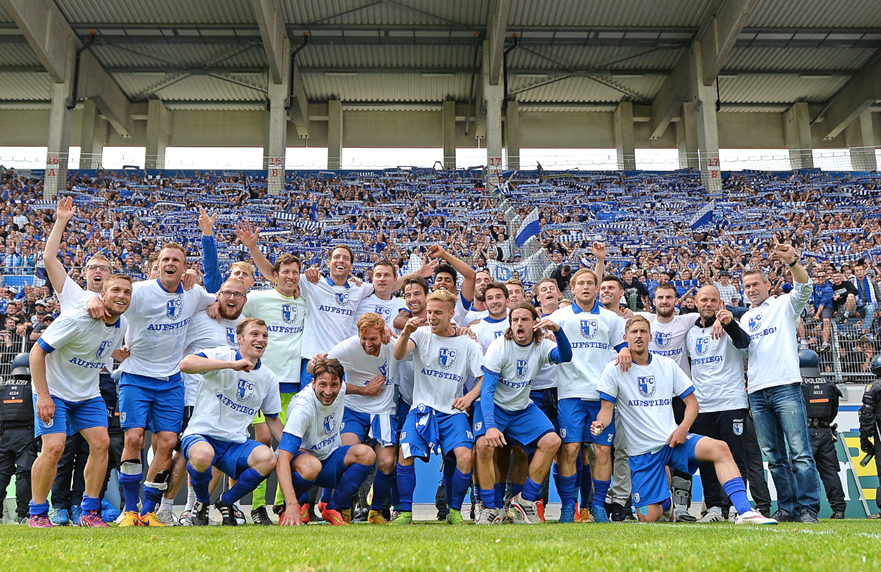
[478, 309]
[496, 322]
[382, 301]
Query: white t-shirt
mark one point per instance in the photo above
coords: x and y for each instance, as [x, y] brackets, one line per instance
[330, 311]
[643, 401]
[72, 296]
[361, 368]
[668, 339]
[158, 322]
[205, 332]
[317, 425]
[227, 400]
[546, 378]
[460, 316]
[517, 366]
[78, 347]
[488, 330]
[592, 335]
[773, 348]
[475, 315]
[440, 368]
[388, 309]
[285, 318]
[717, 371]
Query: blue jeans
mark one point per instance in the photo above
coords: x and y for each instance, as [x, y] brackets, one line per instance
[781, 419]
[868, 312]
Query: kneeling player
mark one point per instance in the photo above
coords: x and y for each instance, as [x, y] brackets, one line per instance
[643, 397]
[65, 364]
[436, 422]
[505, 410]
[311, 453]
[234, 386]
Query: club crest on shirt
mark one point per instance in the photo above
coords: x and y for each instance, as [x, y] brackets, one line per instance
[755, 322]
[244, 389]
[289, 313]
[522, 364]
[646, 385]
[174, 308]
[329, 423]
[589, 328]
[497, 334]
[342, 298]
[701, 345]
[662, 339]
[105, 347]
[446, 357]
[383, 369]
[231, 338]
[738, 428]
[386, 313]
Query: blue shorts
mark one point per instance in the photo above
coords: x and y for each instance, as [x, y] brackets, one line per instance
[546, 399]
[401, 416]
[305, 376]
[229, 457]
[72, 416]
[150, 403]
[453, 431]
[525, 427]
[332, 467]
[574, 417]
[380, 428]
[647, 474]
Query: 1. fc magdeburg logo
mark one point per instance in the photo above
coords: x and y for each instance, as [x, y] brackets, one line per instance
[662, 339]
[329, 423]
[174, 308]
[231, 338]
[646, 385]
[342, 298]
[589, 328]
[446, 357]
[244, 389]
[522, 364]
[701, 345]
[289, 313]
[105, 346]
[755, 322]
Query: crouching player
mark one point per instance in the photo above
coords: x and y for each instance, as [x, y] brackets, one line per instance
[311, 452]
[234, 386]
[65, 363]
[643, 396]
[505, 410]
[437, 422]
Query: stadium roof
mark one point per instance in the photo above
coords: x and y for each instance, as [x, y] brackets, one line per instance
[400, 54]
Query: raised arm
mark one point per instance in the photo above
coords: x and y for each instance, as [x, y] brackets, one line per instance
[249, 239]
[462, 267]
[212, 279]
[54, 269]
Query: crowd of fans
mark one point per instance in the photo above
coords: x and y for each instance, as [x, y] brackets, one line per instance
[649, 226]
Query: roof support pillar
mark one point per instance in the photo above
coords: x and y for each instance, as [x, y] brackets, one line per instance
[449, 134]
[58, 152]
[624, 136]
[274, 152]
[93, 136]
[704, 102]
[797, 132]
[686, 138]
[512, 134]
[334, 134]
[159, 121]
[860, 139]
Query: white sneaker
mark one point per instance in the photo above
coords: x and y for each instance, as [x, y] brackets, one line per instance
[712, 516]
[525, 512]
[488, 516]
[166, 517]
[184, 519]
[753, 517]
[732, 514]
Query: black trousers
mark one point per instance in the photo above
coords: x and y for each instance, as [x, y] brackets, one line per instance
[70, 482]
[827, 465]
[730, 427]
[18, 451]
[755, 468]
[678, 416]
[114, 456]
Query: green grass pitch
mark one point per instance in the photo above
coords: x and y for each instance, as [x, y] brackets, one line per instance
[847, 546]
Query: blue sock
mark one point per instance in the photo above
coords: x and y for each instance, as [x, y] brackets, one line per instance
[566, 489]
[301, 485]
[736, 491]
[41, 509]
[245, 484]
[555, 475]
[461, 482]
[585, 486]
[152, 496]
[90, 504]
[531, 490]
[130, 480]
[488, 497]
[200, 483]
[449, 471]
[349, 483]
[406, 486]
[516, 489]
[382, 484]
[326, 495]
[500, 495]
[600, 488]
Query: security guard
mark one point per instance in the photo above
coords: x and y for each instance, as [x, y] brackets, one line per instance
[870, 417]
[18, 446]
[821, 401]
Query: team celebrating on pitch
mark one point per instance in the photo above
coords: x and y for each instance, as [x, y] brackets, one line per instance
[349, 380]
